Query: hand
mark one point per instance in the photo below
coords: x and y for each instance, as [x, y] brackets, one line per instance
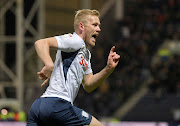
[113, 58]
[45, 74]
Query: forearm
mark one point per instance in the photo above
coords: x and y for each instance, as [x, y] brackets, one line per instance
[42, 48]
[91, 82]
[94, 81]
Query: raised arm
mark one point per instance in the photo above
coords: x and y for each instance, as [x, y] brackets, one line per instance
[91, 82]
[42, 47]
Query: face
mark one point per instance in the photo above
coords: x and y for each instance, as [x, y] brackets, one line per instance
[91, 30]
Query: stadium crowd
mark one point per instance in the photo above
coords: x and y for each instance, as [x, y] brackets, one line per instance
[146, 25]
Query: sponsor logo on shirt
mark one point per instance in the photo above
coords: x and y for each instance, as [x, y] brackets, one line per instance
[83, 63]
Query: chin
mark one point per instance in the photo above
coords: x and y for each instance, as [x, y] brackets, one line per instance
[93, 44]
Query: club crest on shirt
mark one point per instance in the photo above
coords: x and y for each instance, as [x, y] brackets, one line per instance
[85, 114]
[83, 63]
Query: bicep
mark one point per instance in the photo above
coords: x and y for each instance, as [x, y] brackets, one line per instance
[47, 42]
[52, 42]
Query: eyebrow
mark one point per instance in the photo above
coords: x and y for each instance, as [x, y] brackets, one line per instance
[97, 23]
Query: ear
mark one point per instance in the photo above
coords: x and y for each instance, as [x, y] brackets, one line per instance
[81, 26]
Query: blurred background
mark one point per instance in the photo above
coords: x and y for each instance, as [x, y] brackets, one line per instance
[144, 89]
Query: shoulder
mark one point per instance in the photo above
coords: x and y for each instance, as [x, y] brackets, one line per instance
[77, 40]
[72, 42]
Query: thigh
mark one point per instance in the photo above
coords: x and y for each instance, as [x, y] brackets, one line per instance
[72, 116]
[33, 114]
[79, 117]
[95, 122]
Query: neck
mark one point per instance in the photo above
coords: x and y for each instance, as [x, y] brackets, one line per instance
[80, 35]
[83, 38]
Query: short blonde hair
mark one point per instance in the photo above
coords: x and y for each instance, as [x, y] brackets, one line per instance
[81, 16]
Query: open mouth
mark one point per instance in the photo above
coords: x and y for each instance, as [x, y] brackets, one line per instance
[95, 36]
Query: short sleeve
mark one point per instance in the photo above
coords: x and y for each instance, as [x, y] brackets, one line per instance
[69, 42]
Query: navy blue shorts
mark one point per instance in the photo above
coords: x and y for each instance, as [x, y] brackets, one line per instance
[52, 111]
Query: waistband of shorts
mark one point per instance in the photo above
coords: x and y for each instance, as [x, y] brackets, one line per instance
[57, 98]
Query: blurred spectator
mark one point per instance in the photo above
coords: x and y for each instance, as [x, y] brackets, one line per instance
[8, 114]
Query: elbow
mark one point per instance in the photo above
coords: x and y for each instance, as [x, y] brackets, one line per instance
[88, 89]
[35, 44]
[38, 42]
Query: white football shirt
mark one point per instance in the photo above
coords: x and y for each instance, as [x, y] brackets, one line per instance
[71, 64]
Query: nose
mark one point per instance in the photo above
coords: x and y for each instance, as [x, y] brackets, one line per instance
[98, 29]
